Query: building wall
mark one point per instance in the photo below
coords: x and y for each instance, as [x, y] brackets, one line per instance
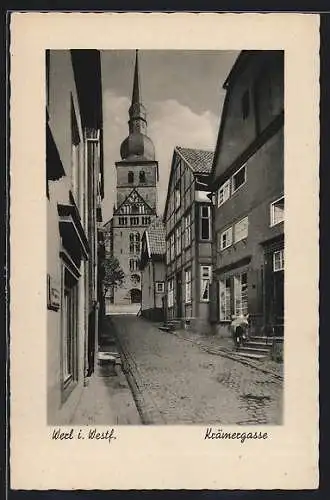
[62, 95]
[263, 185]
[146, 189]
[61, 88]
[262, 80]
[152, 300]
[121, 250]
[193, 313]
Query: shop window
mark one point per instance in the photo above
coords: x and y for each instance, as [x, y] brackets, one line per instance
[277, 211]
[188, 285]
[225, 299]
[240, 295]
[205, 222]
[241, 229]
[205, 283]
[278, 260]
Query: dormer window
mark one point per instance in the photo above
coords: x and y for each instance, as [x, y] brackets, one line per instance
[142, 176]
[130, 177]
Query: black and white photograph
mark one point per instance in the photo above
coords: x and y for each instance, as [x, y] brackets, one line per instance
[165, 234]
[164, 251]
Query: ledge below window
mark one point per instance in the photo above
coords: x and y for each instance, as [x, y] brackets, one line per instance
[72, 232]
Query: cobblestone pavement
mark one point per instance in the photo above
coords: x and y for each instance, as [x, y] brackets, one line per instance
[176, 382]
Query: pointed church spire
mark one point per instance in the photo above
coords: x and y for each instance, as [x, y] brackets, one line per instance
[137, 112]
[136, 84]
[137, 144]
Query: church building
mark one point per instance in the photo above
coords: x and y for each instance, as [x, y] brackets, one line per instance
[136, 198]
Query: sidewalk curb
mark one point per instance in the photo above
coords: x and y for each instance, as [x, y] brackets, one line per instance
[148, 410]
[221, 352]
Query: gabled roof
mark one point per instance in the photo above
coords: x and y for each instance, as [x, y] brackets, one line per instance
[155, 235]
[126, 200]
[199, 160]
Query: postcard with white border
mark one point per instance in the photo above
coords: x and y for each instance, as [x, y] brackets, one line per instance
[164, 298]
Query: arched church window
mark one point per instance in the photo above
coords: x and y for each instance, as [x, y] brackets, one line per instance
[142, 176]
[130, 177]
[134, 242]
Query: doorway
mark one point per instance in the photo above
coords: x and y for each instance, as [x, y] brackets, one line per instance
[135, 296]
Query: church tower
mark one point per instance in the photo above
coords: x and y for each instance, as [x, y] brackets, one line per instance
[136, 208]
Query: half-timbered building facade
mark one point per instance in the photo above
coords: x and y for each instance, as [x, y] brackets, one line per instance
[188, 225]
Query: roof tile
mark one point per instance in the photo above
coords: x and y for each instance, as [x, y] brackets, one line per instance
[200, 160]
[156, 237]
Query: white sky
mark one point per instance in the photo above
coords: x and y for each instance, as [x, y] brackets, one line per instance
[183, 95]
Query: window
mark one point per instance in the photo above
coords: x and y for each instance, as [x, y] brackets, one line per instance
[224, 299]
[172, 247]
[177, 195]
[240, 295]
[170, 294]
[160, 287]
[125, 209]
[245, 105]
[142, 176]
[241, 229]
[226, 238]
[188, 285]
[133, 265]
[135, 278]
[168, 257]
[187, 230]
[278, 260]
[134, 242]
[205, 221]
[146, 221]
[277, 211]
[205, 283]
[130, 177]
[238, 179]
[134, 221]
[178, 240]
[224, 193]
[135, 208]
[122, 221]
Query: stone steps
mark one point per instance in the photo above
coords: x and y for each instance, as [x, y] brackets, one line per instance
[251, 355]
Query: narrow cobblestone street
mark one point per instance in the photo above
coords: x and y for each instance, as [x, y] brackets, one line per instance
[176, 382]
